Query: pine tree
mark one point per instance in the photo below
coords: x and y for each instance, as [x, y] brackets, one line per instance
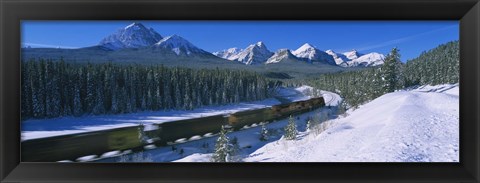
[222, 147]
[391, 71]
[264, 133]
[77, 101]
[291, 129]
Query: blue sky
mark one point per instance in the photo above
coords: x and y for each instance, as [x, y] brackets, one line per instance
[411, 37]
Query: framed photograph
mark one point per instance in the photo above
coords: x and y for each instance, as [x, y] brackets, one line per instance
[240, 91]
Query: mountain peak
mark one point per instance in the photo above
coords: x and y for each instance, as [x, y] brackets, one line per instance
[254, 54]
[178, 45]
[312, 54]
[173, 38]
[260, 44]
[135, 25]
[308, 45]
[229, 54]
[370, 59]
[135, 35]
[353, 54]
[280, 55]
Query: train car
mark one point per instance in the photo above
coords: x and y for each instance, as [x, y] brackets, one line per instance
[242, 118]
[239, 119]
[71, 147]
[187, 128]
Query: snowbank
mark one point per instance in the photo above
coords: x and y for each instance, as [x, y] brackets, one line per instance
[418, 125]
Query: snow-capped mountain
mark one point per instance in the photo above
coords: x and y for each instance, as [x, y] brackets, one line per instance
[135, 35]
[280, 55]
[371, 59]
[312, 54]
[352, 54]
[229, 54]
[254, 54]
[354, 58]
[340, 59]
[178, 45]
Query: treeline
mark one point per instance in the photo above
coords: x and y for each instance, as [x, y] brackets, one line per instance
[52, 89]
[437, 66]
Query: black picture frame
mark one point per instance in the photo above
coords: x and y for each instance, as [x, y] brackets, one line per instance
[13, 11]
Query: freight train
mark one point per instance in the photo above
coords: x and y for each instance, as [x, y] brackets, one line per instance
[71, 147]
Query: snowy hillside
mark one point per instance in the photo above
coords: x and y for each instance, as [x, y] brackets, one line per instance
[178, 45]
[135, 35]
[420, 125]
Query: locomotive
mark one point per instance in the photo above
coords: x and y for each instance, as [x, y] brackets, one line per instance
[73, 146]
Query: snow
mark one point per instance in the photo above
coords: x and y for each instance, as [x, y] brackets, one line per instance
[311, 53]
[135, 35]
[415, 125]
[176, 50]
[229, 54]
[178, 45]
[306, 92]
[371, 59]
[254, 54]
[110, 154]
[340, 59]
[305, 51]
[87, 158]
[352, 54]
[197, 157]
[258, 53]
[278, 56]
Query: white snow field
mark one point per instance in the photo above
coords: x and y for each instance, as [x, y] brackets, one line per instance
[415, 125]
[40, 128]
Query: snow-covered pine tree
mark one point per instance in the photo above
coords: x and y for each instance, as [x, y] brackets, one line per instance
[264, 133]
[291, 129]
[391, 71]
[222, 147]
